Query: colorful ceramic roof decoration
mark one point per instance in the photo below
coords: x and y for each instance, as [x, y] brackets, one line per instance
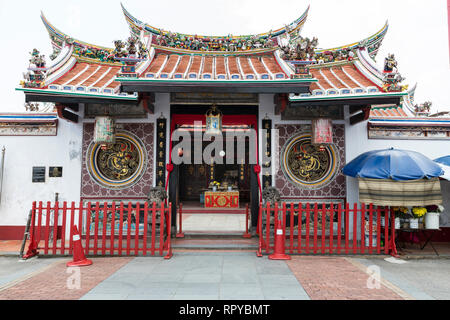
[229, 43]
[280, 58]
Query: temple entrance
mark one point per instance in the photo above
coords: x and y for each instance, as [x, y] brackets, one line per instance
[215, 196]
[197, 179]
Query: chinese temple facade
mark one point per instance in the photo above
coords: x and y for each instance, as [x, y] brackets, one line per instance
[123, 117]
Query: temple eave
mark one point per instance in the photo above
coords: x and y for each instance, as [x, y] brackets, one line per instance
[171, 86]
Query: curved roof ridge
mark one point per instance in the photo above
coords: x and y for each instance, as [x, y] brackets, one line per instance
[58, 37]
[372, 43]
[136, 26]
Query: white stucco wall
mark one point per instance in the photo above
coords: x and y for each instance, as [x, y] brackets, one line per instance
[25, 152]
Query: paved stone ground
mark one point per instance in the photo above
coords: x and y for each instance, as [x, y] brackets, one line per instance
[426, 279]
[336, 279]
[13, 270]
[224, 275]
[201, 276]
[51, 283]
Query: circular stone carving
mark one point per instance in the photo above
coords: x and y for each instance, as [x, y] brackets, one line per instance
[120, 165]
[307, 165]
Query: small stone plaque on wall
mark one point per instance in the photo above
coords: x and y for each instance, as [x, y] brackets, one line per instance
[38, 174]
[55, 172]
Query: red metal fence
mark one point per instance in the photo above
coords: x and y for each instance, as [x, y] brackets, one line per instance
[106, 229]
[328, 229]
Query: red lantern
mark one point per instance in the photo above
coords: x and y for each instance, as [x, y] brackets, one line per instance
[322, 131]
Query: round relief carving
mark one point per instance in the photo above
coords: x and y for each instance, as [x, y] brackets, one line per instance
[307, 165]
[119, 165]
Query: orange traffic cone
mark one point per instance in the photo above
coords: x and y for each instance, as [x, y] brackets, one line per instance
[280, 252]
[79, 260]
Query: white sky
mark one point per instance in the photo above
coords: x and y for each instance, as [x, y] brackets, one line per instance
[418, 33]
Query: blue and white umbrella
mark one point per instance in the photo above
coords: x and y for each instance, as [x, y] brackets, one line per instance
[393, 164]
[444, 163]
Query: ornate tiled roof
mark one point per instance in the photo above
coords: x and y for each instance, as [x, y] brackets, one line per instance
[179, 65]
[387, 111]
[80, 68]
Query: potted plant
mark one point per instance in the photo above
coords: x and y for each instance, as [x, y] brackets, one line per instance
[417, 214]
[215, 186]
[432, 217]
[399, 212]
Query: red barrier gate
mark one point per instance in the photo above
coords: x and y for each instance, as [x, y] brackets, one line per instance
[325, 229]
[107, 229]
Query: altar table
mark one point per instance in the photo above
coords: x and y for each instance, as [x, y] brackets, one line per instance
[224, 199]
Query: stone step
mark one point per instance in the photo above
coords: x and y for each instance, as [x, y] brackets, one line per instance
[213, 235]
[214, 243]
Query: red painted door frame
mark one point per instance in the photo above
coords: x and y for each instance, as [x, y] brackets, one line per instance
[227, 120]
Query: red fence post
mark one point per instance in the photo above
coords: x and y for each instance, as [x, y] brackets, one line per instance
[136, 234]
[161, 229]
[378, 230]
[347, 228]
[121, 228]
[97, 218]
[386, 230]
[72, 223]
[169, 233]
[180, 233]
[130, 211]
[291, 230]
[331, 228]
[324, 223]
[339, 228]
[153, 228]
[63, 228]
[80, 225]
[300, 221]
[55, 227]
[144, 252]
[247, 235]
[316, 222]
[308, 217]
[113, 228]
[47, 227]
[363, 227]
[88, 227]
[105, 224]
[355, 228]
[371, 228]
[39, 226]
[260, 233]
